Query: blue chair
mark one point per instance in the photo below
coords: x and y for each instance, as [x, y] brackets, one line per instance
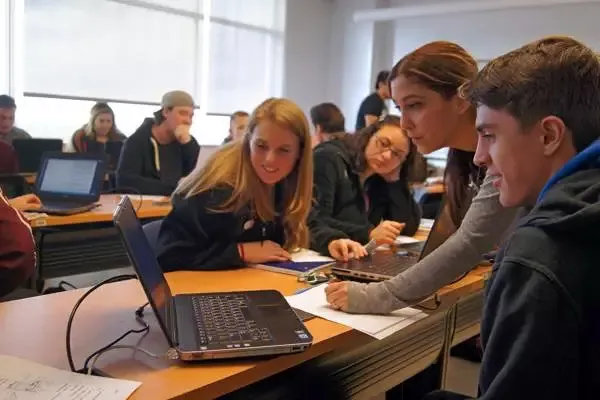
[151, 230]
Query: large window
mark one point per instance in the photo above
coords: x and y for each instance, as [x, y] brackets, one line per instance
[4, 46]
[227, 53]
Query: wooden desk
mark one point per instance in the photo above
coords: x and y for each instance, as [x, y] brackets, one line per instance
[86, 242]
[41, 323]
[108, 202]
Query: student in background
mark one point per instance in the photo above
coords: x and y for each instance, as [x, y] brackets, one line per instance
[250, 201]
[328, 122]
[424, 86]
[8, 130]
[17, 246]
[238, 123]
[162, 150]
[539, 127]
[99, 130]
[361, 185]
[373, 106]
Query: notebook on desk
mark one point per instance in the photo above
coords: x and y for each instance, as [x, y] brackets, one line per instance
[69, 183]
[211, 325]
[303, 262]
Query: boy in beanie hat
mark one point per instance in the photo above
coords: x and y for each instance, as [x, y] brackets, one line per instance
[161, 151]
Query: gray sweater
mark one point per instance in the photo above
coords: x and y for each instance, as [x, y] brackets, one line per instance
[15, 133]
[483, 227]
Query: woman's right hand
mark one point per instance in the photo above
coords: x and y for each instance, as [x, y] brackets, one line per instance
[386, 232]
[259, 252]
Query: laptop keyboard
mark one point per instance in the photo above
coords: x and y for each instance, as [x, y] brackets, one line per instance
[387, 265]
[224, 319]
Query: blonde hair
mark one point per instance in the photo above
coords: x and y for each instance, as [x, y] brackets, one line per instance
[95, 111]
[230, 166]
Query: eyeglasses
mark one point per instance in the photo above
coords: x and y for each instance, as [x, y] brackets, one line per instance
[384, 144]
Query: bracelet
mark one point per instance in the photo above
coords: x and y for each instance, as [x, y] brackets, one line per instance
[241, 250]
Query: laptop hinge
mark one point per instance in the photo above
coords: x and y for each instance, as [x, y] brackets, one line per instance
[172, 317]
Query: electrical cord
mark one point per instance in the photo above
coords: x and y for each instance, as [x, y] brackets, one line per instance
[76, 306]
[139, 317]
[136, 348]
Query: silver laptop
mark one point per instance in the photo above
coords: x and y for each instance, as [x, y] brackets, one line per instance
[382, 265]
[211, 325]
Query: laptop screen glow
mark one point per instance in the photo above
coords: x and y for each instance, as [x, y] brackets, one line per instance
[69, 176]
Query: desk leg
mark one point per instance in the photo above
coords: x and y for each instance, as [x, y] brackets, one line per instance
[450, 328]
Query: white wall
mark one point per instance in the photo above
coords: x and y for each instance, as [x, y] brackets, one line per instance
[308, 27]
[329, 57]
[489, 34]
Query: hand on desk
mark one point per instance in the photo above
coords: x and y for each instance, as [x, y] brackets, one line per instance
[337, 295]
[343, 249]
[386, 232]
[259, 252]
[25, 202]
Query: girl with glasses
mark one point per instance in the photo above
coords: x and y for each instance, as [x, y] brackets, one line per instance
[362, 187]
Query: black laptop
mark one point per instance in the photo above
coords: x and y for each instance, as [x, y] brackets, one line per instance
[211, 325]
[69, 183]
[30, 152]
[382, 265]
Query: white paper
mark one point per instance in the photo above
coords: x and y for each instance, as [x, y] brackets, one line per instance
[426, 223]
[26, 380]
[379, 326]
[400, 240]
[305, 255]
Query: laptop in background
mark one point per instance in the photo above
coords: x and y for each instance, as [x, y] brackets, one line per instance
[382, 265]
[30, 152]
[69, 183]
[211, 325]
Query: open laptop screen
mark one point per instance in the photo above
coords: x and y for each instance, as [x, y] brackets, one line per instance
[143, 258]
[442, 229]
[69, 176]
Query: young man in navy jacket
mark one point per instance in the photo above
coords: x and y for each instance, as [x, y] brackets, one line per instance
[539, 122]
[161, 151]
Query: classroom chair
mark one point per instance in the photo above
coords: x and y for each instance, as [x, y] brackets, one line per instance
[151, 230]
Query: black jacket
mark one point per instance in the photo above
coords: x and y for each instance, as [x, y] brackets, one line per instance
[192, 237]
[541, 323]
[137, 167]
[341, 199]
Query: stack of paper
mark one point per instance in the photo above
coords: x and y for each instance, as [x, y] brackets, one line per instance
[26, 380]
[379, 326]
[400, 240]
[426, 224]
[305, 255]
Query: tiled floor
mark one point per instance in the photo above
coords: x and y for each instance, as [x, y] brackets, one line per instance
[462, 376]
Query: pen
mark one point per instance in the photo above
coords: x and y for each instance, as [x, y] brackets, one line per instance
[371, 246]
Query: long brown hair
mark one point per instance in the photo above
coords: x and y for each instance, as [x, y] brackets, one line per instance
[96, 110]
[444, 67]
[230, 166]
[357, 143]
